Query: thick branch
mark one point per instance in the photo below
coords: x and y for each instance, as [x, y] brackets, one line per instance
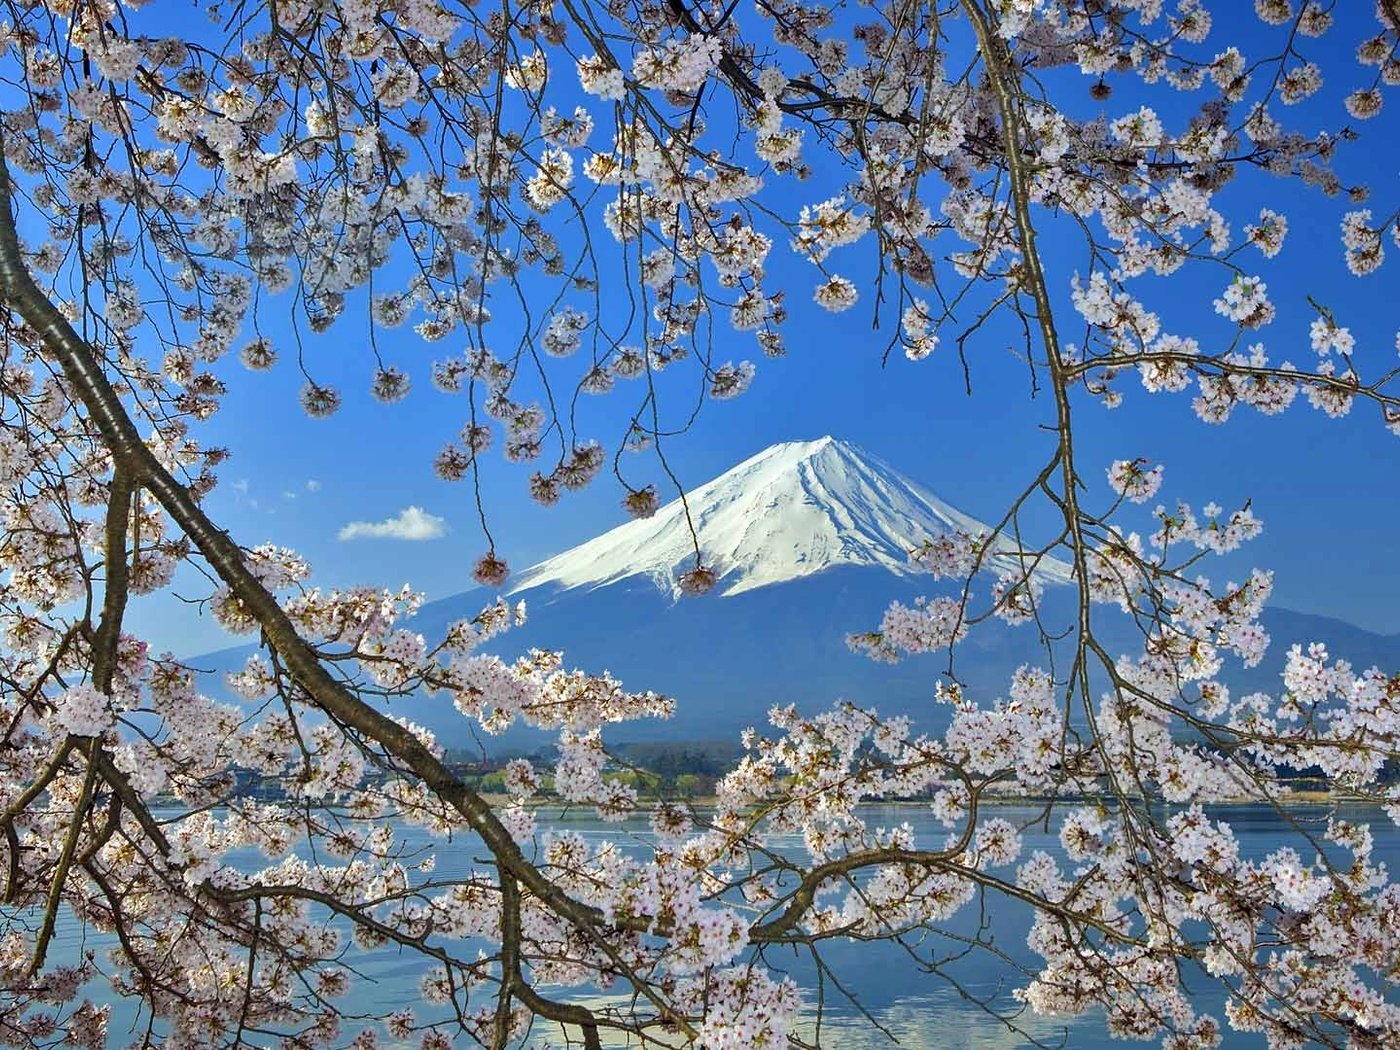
[115, 589]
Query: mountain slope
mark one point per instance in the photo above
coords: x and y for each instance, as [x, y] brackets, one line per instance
[726, 660]
[793, 510]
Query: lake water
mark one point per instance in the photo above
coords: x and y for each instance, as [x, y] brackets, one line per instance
[911, 1007]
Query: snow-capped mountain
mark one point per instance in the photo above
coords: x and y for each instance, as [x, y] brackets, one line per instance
[793, 510]
[810, 541]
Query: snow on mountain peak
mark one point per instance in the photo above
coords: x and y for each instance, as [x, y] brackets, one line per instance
[793, 510]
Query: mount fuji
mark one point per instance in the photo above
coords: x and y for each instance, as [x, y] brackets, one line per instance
[809, 542]
[794, 510]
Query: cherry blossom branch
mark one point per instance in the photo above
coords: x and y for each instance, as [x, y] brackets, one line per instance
[131, 456]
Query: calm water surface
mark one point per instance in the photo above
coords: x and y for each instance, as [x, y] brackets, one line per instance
[916, 1008]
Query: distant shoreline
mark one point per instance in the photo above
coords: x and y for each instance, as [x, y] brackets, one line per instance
[1303, 797]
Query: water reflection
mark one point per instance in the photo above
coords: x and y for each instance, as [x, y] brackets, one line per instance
[941, 1021]
[911, 1008]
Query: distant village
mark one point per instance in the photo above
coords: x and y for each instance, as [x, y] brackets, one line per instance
[674, 770]
[680, 770]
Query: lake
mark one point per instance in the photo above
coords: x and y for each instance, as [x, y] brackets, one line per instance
[911, 1007]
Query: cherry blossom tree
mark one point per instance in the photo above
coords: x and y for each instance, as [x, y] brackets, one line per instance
[502, 176]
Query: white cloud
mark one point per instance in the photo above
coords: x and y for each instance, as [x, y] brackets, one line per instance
[313, 486]
[411, 523]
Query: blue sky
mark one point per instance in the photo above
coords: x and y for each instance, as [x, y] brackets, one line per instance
[1328, 491]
